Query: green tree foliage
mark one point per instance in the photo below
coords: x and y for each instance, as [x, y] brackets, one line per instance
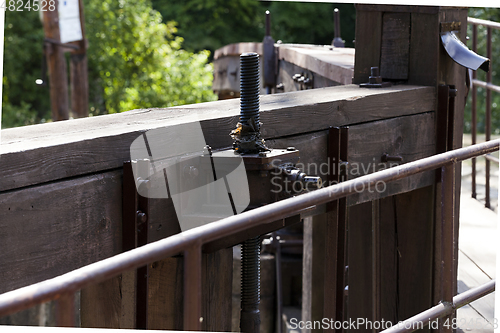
[492, 14]
[134, 62]
[23, 102]
[211, 24]
[138, 61]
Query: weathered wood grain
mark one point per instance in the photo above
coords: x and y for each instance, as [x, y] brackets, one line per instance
[368, 43]
[395, 50]
[410, 137]
[335, 64]
[41, 153]
[52, 229]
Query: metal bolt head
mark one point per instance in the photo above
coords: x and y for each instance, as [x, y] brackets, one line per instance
[141, 217]
[290, 148]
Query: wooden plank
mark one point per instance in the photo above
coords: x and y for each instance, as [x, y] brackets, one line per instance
[410, 137]
[237, 49]
[286, 72]
[335, 64]
[470, 276]
[166, 294]
[368, 43]
[399, 8]
[406, 225]
[395, 50]
[52, 229]
[217, 277]
[424, 36]
[101, 305]
[46, 152]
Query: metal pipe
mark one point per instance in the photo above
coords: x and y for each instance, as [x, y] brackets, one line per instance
[442, 309]
[448, 279]
[73, 281]
[486, 85]
[486, 23]
[491, 158]
[474, 111]
[488, 120]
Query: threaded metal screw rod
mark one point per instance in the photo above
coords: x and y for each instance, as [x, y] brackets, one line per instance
[250, 286]
[249, 90]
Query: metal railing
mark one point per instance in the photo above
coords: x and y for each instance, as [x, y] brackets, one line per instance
[489, 86]
[63, 287]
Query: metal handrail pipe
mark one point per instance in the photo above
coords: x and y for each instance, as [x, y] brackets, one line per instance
[486, 85]
[73, 281]
[492, 158]
[486, 23]
[442, 309]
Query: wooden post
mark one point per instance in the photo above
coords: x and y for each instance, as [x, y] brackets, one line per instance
[56, 64]
[404, 42]
[78, 74]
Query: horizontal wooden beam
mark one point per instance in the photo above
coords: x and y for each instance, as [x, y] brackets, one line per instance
[42, 153]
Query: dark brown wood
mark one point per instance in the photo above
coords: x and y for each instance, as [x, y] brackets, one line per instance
[424, 36]
[65, 310]
[79, 73]
[410, 137]
[217, 277]
[101, 305]
[368, 43]
[79, 85]
[56, 64]
[192, 289]
[307, 271]
[395, 49]
[166, 294]
[54, 228]
[54, 151]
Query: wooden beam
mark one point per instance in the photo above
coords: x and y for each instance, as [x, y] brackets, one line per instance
[79, 73]
[51, 229]
[58, 77]
[42, 153]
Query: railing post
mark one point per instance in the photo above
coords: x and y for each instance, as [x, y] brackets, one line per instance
[376, 262]
[192, 289]
[448, 278]
[65, 310]
[488, 118]
[474, 111]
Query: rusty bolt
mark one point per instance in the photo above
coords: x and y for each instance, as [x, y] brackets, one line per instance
[141, 217]
[389, 158]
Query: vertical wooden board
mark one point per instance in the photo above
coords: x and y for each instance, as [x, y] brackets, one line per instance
[217, 282]
[368, 43]
[395, 48]
[319, 258]
[162, 219]
[359, 261]
[165, 287]
[101, 304]
[414, 217]
[389, 260]
[51, 229]
[424, 49]
[452, 73]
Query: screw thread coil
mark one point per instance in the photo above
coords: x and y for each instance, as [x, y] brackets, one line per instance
[249, 89]
[250, 273]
